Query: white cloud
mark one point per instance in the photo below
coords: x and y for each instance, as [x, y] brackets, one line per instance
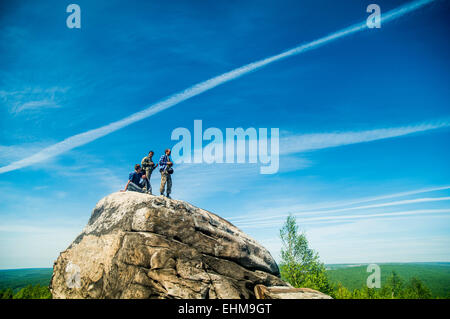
[333, 207]
[310, 142]
[255, 224]
[91, 135]
[34, 105]
[279, 217]
[32, 99]
[381, 240]
[372, 241]
[15, 152]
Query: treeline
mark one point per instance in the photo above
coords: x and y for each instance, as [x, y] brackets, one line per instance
[301, 267]
[28, 292]
[394, 288]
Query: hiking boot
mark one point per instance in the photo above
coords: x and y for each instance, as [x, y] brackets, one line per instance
[168, 196]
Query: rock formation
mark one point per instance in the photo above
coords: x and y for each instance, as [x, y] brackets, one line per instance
[283, 292]
[142, 246]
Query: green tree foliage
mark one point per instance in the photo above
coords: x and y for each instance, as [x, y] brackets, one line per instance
[417, 290]
[300, 265]
[340, 292]
[6, 294]
[435, 276]
[394, 288]
[28, 292]
[33, 292]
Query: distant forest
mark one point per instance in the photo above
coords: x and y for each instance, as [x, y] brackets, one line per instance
[409, 280]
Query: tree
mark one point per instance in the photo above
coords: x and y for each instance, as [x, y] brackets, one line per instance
[340, 292]
[33, 292]
[417, 290]
[6, 294]
[300, 265]
[393, 287]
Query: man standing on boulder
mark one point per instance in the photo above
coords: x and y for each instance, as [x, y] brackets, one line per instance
[148, 166]
[165, 167]
[134, 181]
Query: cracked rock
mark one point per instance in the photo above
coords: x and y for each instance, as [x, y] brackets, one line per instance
[142, 246]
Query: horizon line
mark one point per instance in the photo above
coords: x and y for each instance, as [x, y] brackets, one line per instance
[326, 264]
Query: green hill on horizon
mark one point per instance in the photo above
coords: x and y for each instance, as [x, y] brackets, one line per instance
[436, 276]
[20, 278]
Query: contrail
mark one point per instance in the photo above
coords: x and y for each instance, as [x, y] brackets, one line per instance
[340, 210]
[328, 218]
[334, 206]
[91, 135]
[310, 142]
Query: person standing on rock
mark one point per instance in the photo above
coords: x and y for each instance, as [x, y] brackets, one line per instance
[134, 181]
[148, 166]
[165, 167]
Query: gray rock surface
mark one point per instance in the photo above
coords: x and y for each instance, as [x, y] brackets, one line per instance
[142, 246]
[283, 292]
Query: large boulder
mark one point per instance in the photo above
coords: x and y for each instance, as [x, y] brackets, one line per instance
[142, 246]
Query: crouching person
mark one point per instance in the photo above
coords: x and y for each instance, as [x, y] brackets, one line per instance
[134, 181]
[165, 168]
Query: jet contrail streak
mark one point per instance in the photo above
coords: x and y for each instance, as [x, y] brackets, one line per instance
[91, 135]
[309, 142]
[328, 218]
[276, 218]
[335, 205]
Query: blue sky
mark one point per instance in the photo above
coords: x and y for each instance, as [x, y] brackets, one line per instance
[360, 196]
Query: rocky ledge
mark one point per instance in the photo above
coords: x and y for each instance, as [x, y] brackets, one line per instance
[142, 246]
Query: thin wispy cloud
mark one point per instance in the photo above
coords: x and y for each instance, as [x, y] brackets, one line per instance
[280, 217]
[310, 142]
[15, 152]
[34, 105]
[321, 208]
[32, 99]
[91, 135]
[350, 217]
[366, 240]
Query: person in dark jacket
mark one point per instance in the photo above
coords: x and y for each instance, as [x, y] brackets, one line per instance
[165, 165]
[137, 181]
